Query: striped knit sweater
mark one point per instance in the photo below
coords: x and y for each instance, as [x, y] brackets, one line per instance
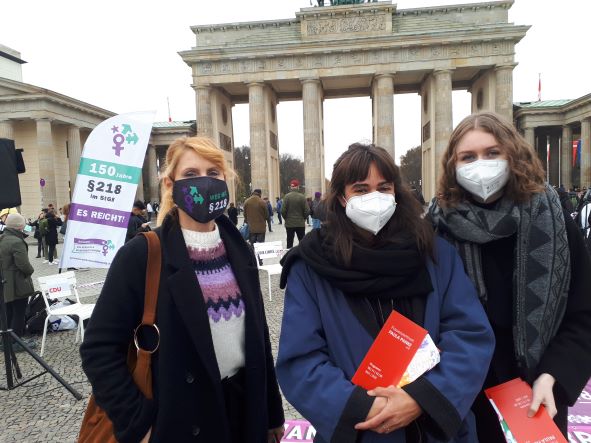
[224, 302]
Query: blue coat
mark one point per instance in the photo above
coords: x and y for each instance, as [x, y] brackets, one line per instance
[322, 343]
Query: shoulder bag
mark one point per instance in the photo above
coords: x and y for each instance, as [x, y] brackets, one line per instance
[96, 426]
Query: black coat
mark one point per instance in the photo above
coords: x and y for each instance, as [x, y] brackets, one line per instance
[233, 215]
[188, 400]
[135, 226]
[567, 356]
[52, 225]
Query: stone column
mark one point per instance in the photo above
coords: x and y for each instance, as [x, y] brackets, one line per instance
[383, 119]
[46, 164]
[313, 146]
[504, 91]
[7, 129]
[258, 138]
[530, 136]
[566, 160]
[586, 153]
[204, 117]
[74, 154]
[139, 193]
[153, 173]
[443, 115]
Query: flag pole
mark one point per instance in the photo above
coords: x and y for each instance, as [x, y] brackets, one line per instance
[559, 161]
[539, 86]
[548, 159]
[169, 117]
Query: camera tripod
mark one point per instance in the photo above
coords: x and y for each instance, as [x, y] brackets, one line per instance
[10, 360]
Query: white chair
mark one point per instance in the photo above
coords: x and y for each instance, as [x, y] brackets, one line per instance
[270, 249]
[60, 286]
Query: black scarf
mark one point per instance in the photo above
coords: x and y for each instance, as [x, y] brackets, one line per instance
[379, 279]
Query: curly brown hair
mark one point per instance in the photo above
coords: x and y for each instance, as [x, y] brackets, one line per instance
[527, 174]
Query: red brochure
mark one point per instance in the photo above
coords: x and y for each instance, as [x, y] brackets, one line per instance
[391, 358]
[511, 401]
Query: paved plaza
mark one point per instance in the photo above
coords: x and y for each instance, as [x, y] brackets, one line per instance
[44, 411]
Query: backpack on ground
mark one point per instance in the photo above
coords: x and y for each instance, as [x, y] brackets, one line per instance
[35, 315]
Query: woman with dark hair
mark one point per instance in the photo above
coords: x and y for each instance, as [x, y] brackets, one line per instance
[373, 255]
[53, 222]
[526, 257]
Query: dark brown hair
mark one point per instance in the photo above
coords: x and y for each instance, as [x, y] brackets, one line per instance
[527, 174]
[353, 166]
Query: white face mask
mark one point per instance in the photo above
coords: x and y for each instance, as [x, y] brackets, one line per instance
[483, 178]
[371, 211]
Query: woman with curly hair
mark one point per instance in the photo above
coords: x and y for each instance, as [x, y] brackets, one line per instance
[527, 260]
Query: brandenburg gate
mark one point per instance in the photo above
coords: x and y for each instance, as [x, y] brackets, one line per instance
[368, 49]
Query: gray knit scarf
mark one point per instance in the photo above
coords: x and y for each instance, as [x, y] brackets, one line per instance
[542, 261]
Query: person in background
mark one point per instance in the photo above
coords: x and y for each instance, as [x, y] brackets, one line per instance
[37, 235]
[583, 213]
[233, 214]
[212, 373]
[44, 229]
[309, 216]
[418, 195]
[65, 214]
[53, 222]
[313, 208]
[270, 213]
[295, 211]
[137, 221]
[526, 258]
[149, 211]
[278, 204]
[16, 272]
[4, 213]
[565, 200]
[374, 255]
[256, 215]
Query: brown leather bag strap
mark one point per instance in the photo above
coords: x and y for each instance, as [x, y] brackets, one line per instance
[152, 277]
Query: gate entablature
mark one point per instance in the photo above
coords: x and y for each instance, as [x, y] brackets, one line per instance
[366, 49]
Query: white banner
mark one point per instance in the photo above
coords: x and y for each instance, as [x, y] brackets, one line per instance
[110, 169]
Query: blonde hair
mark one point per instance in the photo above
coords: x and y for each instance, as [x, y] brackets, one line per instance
[527, 173]
[203, 146]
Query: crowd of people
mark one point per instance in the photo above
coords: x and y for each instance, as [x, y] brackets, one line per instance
[495, 268]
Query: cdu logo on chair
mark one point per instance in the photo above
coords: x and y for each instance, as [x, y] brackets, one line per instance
[60, 288]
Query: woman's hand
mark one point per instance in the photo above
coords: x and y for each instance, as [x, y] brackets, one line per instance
[146, 438]
[542, 394]
[379, 403]
[275, 435]
[399, 411]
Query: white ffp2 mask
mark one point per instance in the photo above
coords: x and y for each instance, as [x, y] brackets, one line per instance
[371, 211]
[483, 178]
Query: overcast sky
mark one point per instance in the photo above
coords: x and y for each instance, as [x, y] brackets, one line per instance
[122, 56]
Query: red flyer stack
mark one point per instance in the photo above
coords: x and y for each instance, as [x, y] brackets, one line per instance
[401, 352]
[511, 400]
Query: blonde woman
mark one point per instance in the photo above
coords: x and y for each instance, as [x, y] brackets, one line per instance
[213, 375]
[527, 260]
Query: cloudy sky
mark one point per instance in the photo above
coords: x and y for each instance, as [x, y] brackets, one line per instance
[122, 56]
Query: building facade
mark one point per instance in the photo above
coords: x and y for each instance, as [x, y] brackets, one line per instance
[560, 131]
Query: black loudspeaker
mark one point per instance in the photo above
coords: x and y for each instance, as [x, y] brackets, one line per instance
[10, 192]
